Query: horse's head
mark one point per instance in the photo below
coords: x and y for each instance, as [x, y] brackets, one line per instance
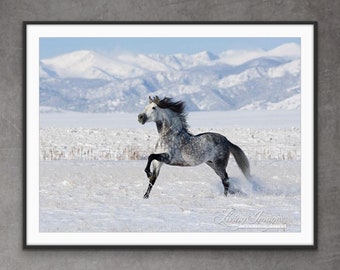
[151, 112]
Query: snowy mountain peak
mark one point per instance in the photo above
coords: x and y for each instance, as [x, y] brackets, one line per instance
[292, 50]
[205, 56]
[70, 58]
[78, 64]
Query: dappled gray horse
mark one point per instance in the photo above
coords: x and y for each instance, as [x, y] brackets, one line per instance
[177, 146]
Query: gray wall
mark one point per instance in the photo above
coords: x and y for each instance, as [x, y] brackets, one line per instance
[13, 12]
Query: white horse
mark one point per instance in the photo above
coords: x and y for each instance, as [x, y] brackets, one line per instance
[177, 146]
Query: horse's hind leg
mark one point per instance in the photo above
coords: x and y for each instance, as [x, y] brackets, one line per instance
[225, 179]
[220, 169]
[152, 178]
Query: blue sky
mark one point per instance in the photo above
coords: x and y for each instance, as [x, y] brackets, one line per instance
[50, 47]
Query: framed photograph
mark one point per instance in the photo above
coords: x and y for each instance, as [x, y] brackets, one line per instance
[170, 134]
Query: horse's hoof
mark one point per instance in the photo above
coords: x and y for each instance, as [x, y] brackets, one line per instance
[229, 191]
[146, 196]
[148, 173]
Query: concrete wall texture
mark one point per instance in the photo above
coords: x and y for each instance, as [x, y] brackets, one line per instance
[14, 12]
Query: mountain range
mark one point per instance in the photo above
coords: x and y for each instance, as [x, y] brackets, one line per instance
[89, 81]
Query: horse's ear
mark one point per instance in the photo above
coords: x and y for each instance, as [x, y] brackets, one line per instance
[156, 99]
[150, 99]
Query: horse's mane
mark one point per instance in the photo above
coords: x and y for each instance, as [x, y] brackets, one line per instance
[178, 107]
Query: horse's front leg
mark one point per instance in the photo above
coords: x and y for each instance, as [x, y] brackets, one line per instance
[156, 168]
[158, 159]
[164, 157]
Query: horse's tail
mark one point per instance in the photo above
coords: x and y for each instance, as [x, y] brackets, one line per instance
[241, 159]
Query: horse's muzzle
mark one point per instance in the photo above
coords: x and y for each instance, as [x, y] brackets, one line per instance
[142, 118]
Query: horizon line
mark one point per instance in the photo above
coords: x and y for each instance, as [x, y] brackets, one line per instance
[53, 47]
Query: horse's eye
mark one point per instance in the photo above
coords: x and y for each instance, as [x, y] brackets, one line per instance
[154, 108]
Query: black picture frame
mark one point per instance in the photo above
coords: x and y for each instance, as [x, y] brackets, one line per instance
[28, 134]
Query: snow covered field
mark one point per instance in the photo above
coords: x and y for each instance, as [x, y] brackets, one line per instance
[92, 176]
